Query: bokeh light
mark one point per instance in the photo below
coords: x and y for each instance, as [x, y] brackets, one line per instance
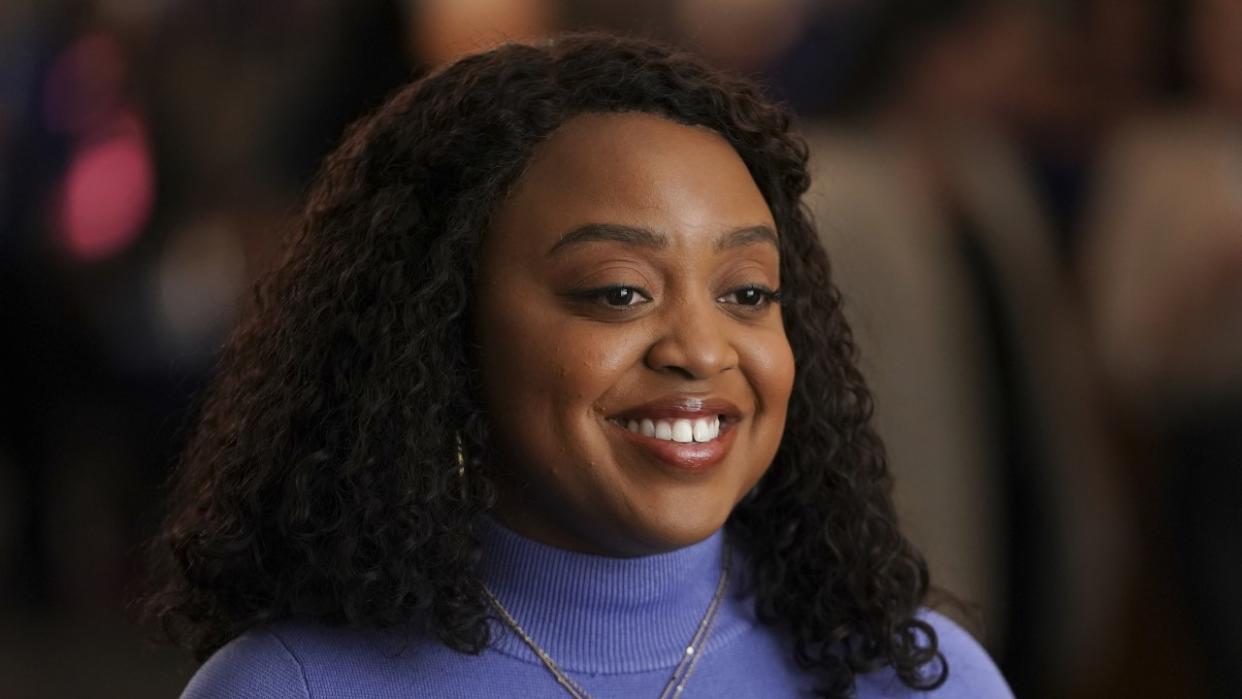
[108, 194]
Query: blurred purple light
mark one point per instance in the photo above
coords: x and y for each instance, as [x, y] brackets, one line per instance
[83, 88]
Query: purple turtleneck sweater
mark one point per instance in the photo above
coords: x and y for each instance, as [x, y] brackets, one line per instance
[616, 626]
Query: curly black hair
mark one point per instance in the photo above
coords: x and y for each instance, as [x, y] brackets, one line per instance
[321, 479]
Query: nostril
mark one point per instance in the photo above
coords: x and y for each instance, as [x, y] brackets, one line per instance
[683, 372]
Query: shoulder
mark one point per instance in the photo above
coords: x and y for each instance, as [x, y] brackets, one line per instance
[307, 660]
[258, 663]
[972, 673]
[971, 670]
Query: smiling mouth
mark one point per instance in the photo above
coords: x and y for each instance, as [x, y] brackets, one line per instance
[680, 430]
[687, 433]
[688, 445]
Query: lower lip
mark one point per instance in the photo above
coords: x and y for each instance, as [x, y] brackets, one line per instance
[686, 456]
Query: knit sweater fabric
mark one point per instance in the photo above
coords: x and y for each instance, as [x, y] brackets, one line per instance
[616, 626]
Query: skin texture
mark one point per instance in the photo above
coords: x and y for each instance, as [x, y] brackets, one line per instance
[558, 360]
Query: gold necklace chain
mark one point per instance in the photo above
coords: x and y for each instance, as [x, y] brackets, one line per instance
[681, 674]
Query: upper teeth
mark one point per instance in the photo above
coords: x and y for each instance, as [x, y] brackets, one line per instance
[704, 429]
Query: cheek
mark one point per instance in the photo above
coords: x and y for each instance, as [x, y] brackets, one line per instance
[540, 365]
[592, 358]
[768, 362]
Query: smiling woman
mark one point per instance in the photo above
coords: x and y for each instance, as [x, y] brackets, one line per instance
[643, 257]
[551, 394]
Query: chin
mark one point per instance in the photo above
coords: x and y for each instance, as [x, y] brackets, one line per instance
[675, 527]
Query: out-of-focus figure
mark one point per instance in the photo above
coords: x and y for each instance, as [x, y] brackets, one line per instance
[1163, 272]
[1165, 260]
[742, 35]
[441, 31]
[971, 341]
[1103, 61]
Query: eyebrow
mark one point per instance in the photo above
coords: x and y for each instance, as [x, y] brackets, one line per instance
[645, 237]
[749, 235]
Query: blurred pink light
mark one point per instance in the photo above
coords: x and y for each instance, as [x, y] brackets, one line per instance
[107, 198]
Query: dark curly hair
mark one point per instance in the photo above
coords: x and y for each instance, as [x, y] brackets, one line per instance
[321, 479]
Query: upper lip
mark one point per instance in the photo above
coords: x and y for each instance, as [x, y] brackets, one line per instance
[686, 407]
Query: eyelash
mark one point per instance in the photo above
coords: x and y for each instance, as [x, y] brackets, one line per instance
[766, 296]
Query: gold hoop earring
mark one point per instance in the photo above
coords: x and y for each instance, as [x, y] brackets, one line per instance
[461, 457]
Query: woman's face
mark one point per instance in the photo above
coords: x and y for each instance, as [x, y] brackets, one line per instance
[635, 370]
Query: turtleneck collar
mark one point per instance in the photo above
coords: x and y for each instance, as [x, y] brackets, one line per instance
[596, 614]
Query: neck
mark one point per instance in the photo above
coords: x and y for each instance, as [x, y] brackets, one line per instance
[601, 614]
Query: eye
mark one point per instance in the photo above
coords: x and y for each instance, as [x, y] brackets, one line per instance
[753, 296]
[617, 296]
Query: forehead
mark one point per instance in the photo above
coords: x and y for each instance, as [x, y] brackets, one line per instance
[635, 169]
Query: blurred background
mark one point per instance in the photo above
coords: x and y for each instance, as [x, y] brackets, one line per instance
[1034, 208]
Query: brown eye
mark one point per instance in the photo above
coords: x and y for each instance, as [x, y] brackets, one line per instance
[620, 296]
[752, 296]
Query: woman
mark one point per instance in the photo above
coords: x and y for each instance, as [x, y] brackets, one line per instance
[518, 415]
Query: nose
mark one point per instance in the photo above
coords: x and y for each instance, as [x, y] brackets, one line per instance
[694, 342]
